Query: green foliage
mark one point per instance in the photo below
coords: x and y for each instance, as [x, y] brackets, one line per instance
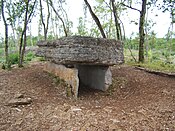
[132, 43]
[1, 42]
[6, 66]
[13, 58]
[41, 59]
[99, 1]
[31, 41]
[29, 56]
[82, 30]
[95, 32]
[3, 66]
[158, 65]
[1, 51]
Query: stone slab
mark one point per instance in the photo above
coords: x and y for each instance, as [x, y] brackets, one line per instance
[82, 50]
[97, 77]
[69, 75]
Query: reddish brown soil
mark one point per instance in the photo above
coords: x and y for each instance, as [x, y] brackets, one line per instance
[136, 101]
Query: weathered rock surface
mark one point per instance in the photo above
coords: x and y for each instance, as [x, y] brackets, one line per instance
[82, 50]
[82, 61]
[69, 75]
[19, 101]
[91, 76]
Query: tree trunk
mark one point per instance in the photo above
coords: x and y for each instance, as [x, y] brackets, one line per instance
[117, 25]
[123, 37]
[22, 50]
[39, 29]
[52, 26]
[6, 35]
[23, 34]
[64, 27]
[97, 21]
[31, 38]
[15, 41]
[141, 31]
[45, 26]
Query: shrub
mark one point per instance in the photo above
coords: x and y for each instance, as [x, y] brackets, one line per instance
[13, 58]
[29, 56]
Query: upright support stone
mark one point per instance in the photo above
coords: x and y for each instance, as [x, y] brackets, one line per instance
[97, 77]
[69, 75]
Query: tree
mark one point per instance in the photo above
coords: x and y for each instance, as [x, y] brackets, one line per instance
[141, 28]
[169, 6]
[45, 25]
[82, 28]
[13, 14]
[141, 31]
[59, 17]
[6, 33]
[29, 10]
[117, 25]
[97, 21]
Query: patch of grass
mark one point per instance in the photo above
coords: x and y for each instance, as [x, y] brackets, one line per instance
[41, 59]
[158, 65]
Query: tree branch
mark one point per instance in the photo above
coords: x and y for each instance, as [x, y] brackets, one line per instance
[131, 7]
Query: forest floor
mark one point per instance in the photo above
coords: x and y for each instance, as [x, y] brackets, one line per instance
[136, 101]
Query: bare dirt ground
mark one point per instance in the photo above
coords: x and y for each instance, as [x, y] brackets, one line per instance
[136, 101]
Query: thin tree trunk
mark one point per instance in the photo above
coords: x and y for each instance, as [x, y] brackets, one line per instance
[117, 25]
[39, 29]
[14, 39]
[6, 34]
[146, 37]
[110, 26]
[97, 21]
[31, 39]
[64, 27]
[48, 16]
[22, 50]
[123, 37]
[52, 26]
[171, 39]
[141, 31]
[56, 30]
[65, 17]
[42, 20]
[26, 21]
[172, 22]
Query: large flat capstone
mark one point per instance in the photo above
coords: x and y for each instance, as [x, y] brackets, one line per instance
[82, 61]
[82, 50]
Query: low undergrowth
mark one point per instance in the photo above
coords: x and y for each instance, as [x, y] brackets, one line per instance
[158, 65]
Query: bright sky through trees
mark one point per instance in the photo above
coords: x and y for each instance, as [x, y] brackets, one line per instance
[75, 10]
[160, 28]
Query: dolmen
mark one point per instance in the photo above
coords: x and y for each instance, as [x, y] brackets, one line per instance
[82, 61]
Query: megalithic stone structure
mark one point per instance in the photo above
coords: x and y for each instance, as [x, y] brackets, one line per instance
[81, 60]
